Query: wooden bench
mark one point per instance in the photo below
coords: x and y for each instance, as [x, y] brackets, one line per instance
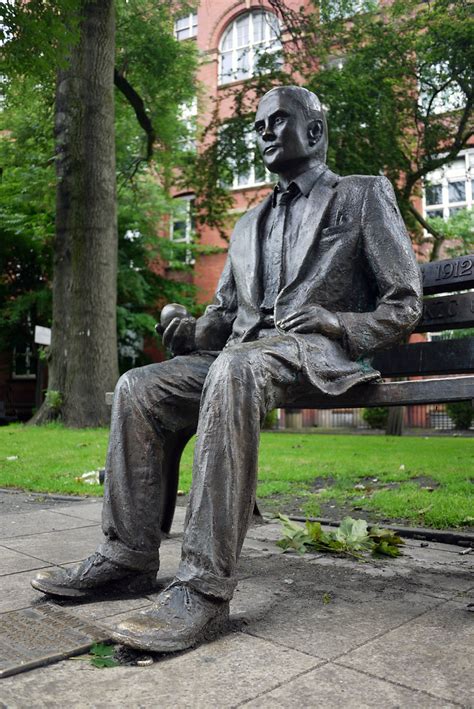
[446, 307]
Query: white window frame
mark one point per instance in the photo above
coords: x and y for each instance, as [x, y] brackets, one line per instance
[444, 176]
[191, 28]
[271, 43]
[188, 203]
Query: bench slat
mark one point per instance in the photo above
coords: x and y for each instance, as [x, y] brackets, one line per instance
[427, 391]
[448, 275]
[427, 358]
[447, 312]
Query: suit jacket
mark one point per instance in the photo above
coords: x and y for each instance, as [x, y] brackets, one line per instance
[356, 260]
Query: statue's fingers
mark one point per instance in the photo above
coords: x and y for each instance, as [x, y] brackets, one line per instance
[293, 320]
[305, 327]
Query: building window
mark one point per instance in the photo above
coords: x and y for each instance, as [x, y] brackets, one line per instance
[449, 189]
[182, 232]
[24, 362]
[255, 172]
[247, 42]
[243, 164]
[187, 116]
[186, 27]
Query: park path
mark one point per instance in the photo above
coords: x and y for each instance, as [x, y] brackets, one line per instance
[306, 631]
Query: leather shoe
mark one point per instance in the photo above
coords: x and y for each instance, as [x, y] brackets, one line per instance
[181, 619]
[94, 576]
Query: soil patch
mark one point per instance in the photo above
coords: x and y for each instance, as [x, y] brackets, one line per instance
[14, 501]
[424, 481]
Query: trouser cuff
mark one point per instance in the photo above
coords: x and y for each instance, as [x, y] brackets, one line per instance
[207, 583]
[116, 551]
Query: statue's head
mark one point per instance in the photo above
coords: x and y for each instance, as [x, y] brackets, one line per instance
[291, 128]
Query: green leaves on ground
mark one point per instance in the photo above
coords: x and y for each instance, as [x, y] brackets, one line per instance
[353, 538]
[102, 655]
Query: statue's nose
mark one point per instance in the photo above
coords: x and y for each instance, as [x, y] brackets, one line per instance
[268, 133]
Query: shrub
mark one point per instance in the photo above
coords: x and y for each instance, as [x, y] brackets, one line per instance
[376, 416]
[461, 413]
[271, 420]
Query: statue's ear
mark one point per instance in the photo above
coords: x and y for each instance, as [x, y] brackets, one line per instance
[315, 131]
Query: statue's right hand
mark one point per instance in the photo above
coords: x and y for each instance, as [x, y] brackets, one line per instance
[179, 335]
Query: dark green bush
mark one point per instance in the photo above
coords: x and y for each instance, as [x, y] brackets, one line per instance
[461, 413]
[376, 417]
[271, 420]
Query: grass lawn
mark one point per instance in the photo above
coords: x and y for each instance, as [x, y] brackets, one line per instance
[428, 481]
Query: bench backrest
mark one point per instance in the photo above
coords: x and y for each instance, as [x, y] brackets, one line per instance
[446, 307]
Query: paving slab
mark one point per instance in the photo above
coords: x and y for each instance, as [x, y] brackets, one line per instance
[17, 591]
[59, 547]
[330, 625]
[19, 525]
[12, 561]
[335, 687]
[226, 673]
[91, 511]
[433, 652]
[105, 608]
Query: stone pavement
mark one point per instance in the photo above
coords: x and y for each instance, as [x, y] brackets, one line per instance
[306, 631]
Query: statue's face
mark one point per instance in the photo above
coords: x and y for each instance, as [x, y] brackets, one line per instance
[283, 133]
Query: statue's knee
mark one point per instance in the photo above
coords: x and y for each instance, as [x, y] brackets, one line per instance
[235, 364]
[130, 385]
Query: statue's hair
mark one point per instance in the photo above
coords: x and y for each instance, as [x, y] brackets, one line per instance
[311, 107]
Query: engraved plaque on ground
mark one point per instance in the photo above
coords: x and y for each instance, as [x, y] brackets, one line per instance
[38, 636]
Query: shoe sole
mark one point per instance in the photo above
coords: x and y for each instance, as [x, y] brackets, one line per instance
[59, 591]
[212, 630]
[130, 585]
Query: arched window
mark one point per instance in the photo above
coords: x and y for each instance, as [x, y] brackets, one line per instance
[249, 38]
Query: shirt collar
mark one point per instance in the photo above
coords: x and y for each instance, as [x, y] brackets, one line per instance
[304, 183]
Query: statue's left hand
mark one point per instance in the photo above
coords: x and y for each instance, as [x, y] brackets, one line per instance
[313, 318]
[179, 336]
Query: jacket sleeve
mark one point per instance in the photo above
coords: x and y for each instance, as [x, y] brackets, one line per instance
[389, 255]
[215, 326]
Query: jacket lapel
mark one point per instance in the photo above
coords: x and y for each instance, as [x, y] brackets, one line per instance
[315, 209]
[249, 253]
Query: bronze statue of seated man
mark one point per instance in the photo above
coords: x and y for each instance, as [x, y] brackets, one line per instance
[320, 274]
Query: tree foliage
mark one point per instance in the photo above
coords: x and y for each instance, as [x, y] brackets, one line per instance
[158, 74]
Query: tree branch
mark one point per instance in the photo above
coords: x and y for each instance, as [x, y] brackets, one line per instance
[460, 141]
[438, 238]
[136, 102]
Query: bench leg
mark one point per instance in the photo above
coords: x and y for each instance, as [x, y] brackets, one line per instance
[172, 456]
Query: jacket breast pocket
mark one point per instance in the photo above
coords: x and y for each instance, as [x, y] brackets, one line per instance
[337, 239]
[341, 228]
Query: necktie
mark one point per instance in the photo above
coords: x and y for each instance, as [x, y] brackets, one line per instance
[277, 246]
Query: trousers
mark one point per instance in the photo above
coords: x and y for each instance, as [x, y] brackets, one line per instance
[228, 394]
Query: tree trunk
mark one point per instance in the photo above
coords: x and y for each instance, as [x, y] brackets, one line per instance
[83, 361]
